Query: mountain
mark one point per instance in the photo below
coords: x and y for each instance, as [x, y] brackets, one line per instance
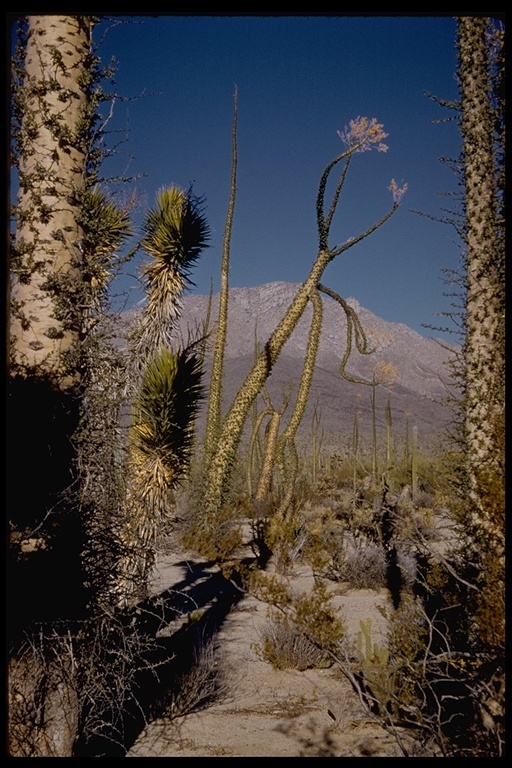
[417, 397]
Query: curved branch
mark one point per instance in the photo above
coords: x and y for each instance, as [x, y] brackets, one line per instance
[354, 331]
[353, 240]
[288, 436]
[336, 197]
[324, 223]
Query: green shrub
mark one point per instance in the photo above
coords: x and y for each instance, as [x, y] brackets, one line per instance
[309, 614]
[216, 538]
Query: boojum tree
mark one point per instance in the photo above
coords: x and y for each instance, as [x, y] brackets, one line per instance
[451, 672]
[213, 416]
[484, 344]
[53, 142]
[280, 450]
[362, 135]
[286, 453]
[64, 251]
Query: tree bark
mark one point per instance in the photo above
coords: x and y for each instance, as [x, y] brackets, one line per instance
[46, 269]
[484, 343]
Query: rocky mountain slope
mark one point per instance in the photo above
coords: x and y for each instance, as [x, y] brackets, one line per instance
[417, 397]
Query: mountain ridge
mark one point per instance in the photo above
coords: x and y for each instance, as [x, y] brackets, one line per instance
[418, 396]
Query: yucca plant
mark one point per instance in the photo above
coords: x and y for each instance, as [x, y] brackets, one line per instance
[174, 234]
[160, 445]
[106, 225]
[163, 418]
[164, 385]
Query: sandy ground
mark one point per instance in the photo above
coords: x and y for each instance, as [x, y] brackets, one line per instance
[264, 712]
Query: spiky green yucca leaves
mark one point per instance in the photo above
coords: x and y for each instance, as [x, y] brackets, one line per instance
[106, 226]
[106, 223]
[162, 430]
[165, 385]
[174, 233]
[160, 446]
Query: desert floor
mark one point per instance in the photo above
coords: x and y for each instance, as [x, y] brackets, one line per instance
[261, 711]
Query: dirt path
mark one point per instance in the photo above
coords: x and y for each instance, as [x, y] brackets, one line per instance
[264, 712]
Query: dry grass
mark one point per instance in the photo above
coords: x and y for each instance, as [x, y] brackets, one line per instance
[197, 687]
[285, 648]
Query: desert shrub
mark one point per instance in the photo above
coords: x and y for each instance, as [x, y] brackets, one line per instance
[438, 694]
[323, 539]
[422, 523]
[358, 518]
[43, 697]
[365, 567]
[339, 472]
[311, 534]
[285, 648]
[216, 538]
[438, 681]
[198, 686]
[315, 617]
[438, 685]
[435, 472]
[304, 490]
[406, 642]
[285, 536]
[391, 679]
[74, 688]
[309, 614]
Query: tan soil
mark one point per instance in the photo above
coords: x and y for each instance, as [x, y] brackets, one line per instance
[265, 712]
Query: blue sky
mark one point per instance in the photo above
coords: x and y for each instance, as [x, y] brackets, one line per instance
[300, 79]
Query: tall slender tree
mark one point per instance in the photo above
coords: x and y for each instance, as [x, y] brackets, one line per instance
[213, 418]
[66, 234]
[480, 72]
[463, 605]
[51, 295]
[362, 135]
[53, 141]
[70, 537]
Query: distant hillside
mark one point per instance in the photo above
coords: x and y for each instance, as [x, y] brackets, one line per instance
[418, 395]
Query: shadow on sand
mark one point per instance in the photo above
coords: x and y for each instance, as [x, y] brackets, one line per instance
[165, 659]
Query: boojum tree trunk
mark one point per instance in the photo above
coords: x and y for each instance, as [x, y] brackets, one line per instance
[47, 317]
[213, 416]
[46, 267]
[484, 343]
[362, 135]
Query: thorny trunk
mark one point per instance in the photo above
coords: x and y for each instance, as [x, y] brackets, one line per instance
[484, 345]
[255, 380]
[46, 265]
[47, 326]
